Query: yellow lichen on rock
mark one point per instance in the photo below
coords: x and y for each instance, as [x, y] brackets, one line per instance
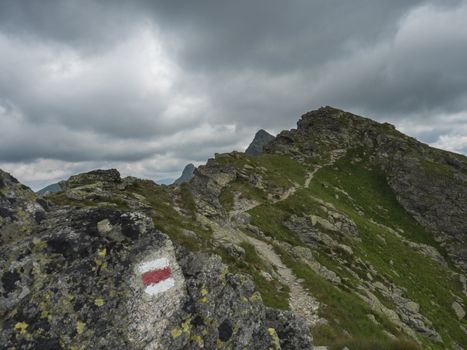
[198, 340]
[102, 252]
[38, 243]
[256, 296]
[21, 327]
[80, 327]
[275, 342]
[186, 325]
[176, 332]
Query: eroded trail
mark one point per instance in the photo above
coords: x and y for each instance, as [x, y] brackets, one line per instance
[335, 155]
[300, 301]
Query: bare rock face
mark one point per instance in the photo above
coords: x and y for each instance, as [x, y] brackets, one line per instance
[261, 139]
[20, 210]
[187, 174]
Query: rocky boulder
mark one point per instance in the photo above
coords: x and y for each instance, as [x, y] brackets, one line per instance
[103, 278]
[20, 210]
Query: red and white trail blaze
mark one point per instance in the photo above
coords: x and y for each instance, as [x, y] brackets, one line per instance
[156, 275]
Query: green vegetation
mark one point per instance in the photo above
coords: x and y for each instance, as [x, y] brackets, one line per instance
[277, 169]
[171, 222]
[274, 173]
[240, 186]
[273, 293]
[375, 343]
[362, 193]
[180, 228]
[61, 199]
[345, 312]
[424, 280]
[436, 169]
[353, 187]
[270, 219]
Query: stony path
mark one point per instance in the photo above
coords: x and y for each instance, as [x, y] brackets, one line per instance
[309, 176]
[335, 155]
[301, 303]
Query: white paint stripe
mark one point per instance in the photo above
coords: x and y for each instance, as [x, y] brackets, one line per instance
[153, 265]
[160, 287]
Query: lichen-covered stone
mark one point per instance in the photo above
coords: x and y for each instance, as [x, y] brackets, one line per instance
[20, 210]
[74, 283]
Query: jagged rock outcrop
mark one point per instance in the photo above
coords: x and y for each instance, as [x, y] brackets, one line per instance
[187, 174]
[75, 280]
[261, 139]
[20, 210]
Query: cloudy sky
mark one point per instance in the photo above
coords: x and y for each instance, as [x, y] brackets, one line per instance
[148, 86]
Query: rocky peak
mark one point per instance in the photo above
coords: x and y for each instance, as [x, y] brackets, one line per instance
[187, 174]
[417, 173]
[262, 137]
[109, 177]
[20, 210]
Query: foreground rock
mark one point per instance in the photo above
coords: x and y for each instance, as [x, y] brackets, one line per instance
[104, 278]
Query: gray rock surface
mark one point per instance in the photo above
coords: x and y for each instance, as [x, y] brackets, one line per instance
[261, 139]
[187, 174]
[458, 309]
[20, 209]
[74, 281]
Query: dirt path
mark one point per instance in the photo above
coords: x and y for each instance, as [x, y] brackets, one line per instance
[300, 301]
[335, 155]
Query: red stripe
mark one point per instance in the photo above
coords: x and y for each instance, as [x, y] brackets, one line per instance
[155, 276]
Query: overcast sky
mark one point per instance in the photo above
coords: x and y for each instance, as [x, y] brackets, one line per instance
[149, 86]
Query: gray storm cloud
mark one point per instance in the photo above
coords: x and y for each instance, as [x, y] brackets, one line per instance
[147, 86]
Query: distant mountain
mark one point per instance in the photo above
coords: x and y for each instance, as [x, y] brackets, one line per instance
[165, 181]
[187, 174]
[53, 188]
[262, 138]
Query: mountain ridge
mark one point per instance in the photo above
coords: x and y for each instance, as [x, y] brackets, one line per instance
[341, 226]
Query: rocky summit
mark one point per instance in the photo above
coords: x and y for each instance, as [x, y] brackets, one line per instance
[187, 174]
[340, 234]
[261, 139]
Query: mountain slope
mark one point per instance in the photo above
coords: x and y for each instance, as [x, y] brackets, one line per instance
[347, 228]
[53, 188]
